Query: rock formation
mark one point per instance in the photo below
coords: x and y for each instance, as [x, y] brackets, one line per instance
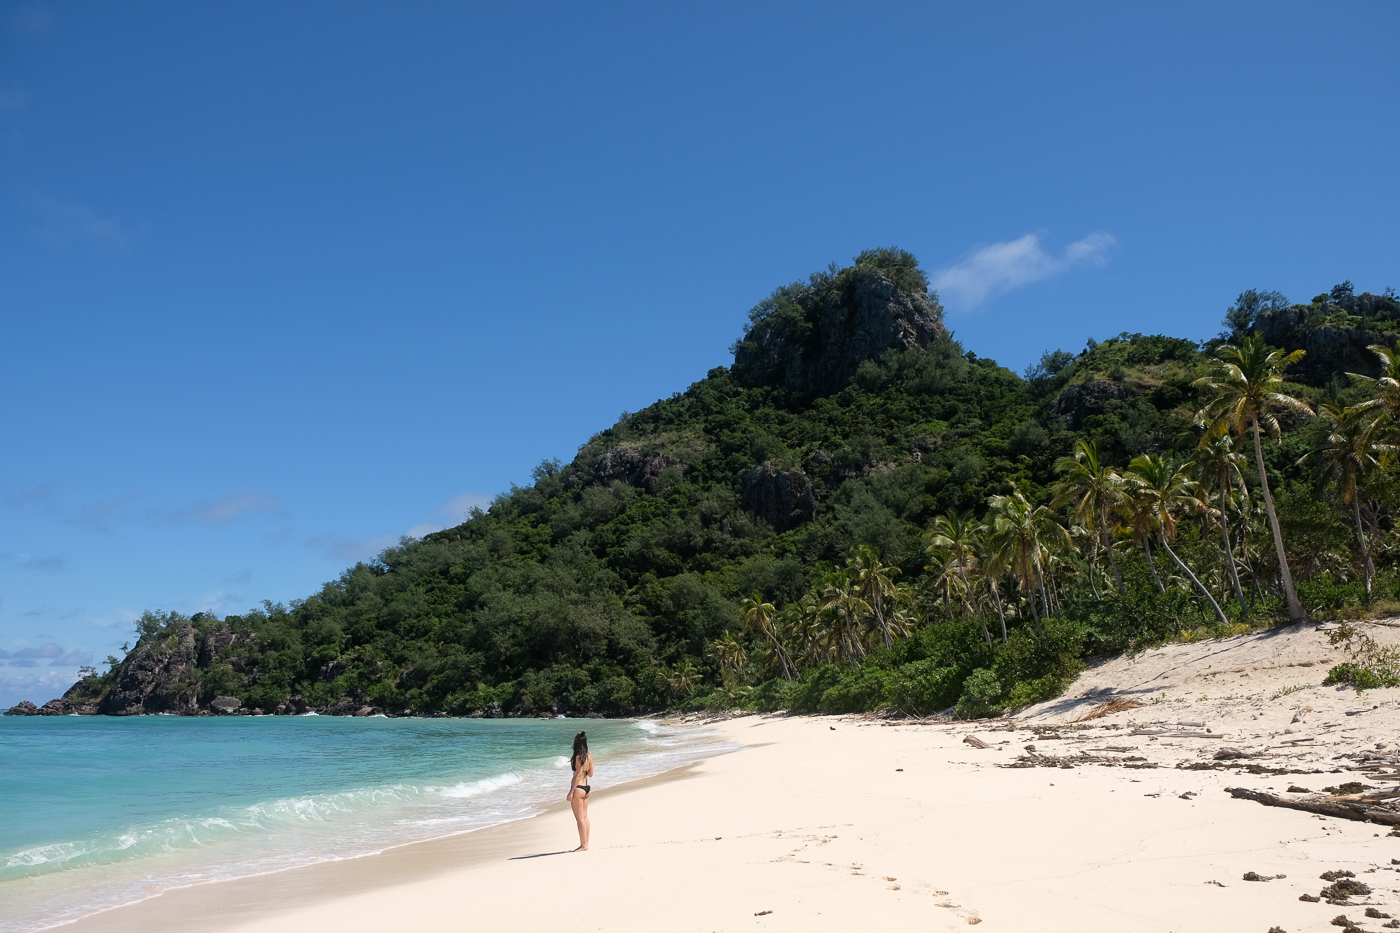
[837, 331]
[632, 464]
[1078, 402]
[157, 677]
[22, 708]
[1330, 348]
[782, 498]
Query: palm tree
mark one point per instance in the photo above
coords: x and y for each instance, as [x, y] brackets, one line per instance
[1385, 390]
[847, 611]
[1347, 451]
[1025, 534]
[1219, 461]
[683, 677]
[953, 540]
[730, 652]
[1244, 383]
[758, 617]
[1164, 490]
[1095, 489]
[874, 581]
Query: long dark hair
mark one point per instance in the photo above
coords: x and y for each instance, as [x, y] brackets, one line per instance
[580, 750]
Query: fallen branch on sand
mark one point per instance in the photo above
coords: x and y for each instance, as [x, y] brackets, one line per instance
[1178, 735]
[1120, 705]
[975, 742]
[1353, 808]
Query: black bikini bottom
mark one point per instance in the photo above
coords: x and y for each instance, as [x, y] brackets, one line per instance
[587, 789]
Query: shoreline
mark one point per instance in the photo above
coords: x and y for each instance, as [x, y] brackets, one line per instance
[1049, 822]
[220, 905]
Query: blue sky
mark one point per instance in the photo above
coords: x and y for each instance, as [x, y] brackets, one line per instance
[281, 282]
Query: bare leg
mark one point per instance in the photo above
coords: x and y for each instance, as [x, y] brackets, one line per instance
[580, 808]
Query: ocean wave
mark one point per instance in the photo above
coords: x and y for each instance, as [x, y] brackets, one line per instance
[486, 785]
[64, 880]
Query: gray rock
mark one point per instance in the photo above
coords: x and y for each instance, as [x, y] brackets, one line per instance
[821, 358]
[293, 705]
[492, 710]
[212, 644]
[782, 498]
[23, 708]
[1078, 402]
[1228, 754]
[158, 676]
[64, 706]
[632, 464]
[365, 711]
[225, 704]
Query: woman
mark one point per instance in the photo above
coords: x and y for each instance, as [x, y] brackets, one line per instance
[581, 763]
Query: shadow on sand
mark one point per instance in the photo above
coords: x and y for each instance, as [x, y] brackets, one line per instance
[516, 858]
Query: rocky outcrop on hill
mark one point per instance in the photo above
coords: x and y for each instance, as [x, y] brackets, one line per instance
[157, 677]
[1330, 349]
[632, 464]
[782, 498]
[23, 708]
[1078, 402]
[814, 344]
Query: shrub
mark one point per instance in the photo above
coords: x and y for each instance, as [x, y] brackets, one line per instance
[980, 693]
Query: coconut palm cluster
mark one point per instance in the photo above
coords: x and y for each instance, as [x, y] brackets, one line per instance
[1023, 558]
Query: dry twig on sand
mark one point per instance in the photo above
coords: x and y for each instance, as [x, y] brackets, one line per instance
[1118, 705]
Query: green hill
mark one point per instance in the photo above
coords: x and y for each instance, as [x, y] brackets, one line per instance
[804, 478]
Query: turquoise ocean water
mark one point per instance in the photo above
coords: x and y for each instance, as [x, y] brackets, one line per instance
[96, 812]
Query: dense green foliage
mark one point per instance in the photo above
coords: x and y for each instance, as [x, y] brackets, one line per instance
[633, 577]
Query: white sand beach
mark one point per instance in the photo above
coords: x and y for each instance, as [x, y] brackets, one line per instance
[827, 823]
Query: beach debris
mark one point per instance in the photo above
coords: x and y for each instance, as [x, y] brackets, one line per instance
[1340, 807]
[1212, 881]
[763, 913]
[1187, 796]
[1255, 876]
[1338, 892]
[1277, 930]
[1376, 914]
[1337, 875]
[1295, 789]
[1350, 787]
[975, 742]
[1119, 705]
[1302, 714]
[1310, 898]
[1163, 733]
[1341, 921]
[1227, 752]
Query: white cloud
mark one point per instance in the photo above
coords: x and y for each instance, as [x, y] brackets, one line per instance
[65, 222]
[335, 547]
[218, 511]
[996, 269]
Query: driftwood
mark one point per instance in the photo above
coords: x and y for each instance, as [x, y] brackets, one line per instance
[1341, 808]
[975, 742]
[1119, 705]
[1178, 735]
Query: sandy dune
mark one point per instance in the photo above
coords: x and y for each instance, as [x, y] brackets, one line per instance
[846, 823]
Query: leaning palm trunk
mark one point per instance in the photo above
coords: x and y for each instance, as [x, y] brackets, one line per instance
[1219, 613]
[1147, 549]
[1230, 554]
[1001, 613]
[1367, 570]
[967, 593]
[1290, 595]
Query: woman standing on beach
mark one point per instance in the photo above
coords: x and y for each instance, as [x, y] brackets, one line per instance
[581, 763]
